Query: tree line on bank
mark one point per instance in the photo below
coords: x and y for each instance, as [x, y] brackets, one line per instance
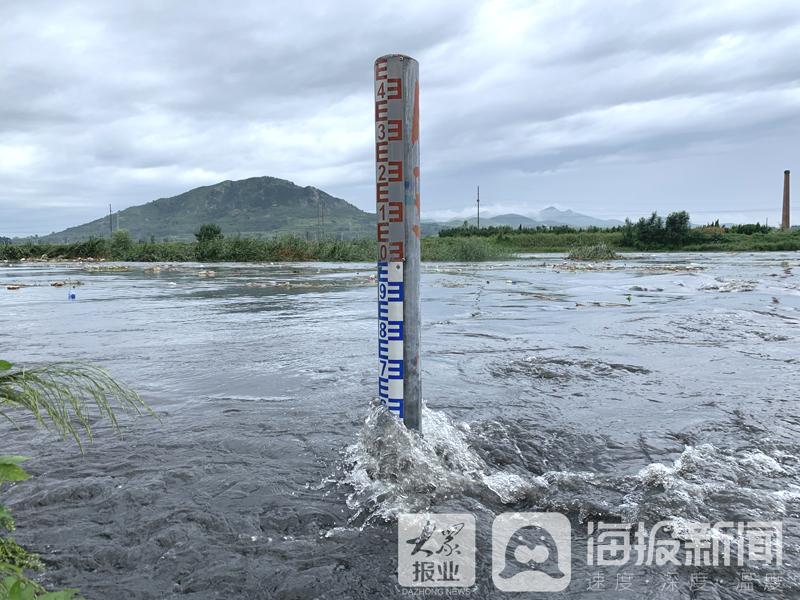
[653, 233]
[464, 243]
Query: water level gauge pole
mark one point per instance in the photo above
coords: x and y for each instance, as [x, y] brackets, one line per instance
[397, 203]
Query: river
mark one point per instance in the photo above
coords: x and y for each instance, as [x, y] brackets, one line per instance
[655, 388]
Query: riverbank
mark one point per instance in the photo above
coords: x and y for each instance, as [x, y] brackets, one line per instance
[236, 249]
[468, 248]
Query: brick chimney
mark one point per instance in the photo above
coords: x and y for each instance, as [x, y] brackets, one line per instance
[785, 221]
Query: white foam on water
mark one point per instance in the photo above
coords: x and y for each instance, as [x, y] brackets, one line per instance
[704, 471]
[511, 487]
[729, 285]
[392, 469]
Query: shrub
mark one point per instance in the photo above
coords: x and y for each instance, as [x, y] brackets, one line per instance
[595, 252]
[121, 245]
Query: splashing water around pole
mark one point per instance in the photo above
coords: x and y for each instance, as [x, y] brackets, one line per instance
[397, 199]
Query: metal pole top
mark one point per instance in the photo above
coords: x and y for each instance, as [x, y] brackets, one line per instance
[388, 56]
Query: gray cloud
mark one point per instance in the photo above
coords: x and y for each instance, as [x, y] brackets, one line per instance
[613, 108]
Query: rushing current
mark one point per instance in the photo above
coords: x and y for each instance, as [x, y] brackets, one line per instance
[653, 388]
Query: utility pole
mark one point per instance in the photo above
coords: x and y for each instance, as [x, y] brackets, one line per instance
[320, 217]
[479, 207]
[110, 223]
[397, 200]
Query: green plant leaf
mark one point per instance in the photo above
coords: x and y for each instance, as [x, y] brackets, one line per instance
[13, 459]
[6, 520]
[13, 473]
[6, 570]
[22, 590]
[14, 555]
[5, 365]
[68, 396]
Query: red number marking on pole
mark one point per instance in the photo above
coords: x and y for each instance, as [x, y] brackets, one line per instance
[382, 192]
[395, 170]
[395, 212]
[397, 251]
[381, 110]
[381, 69]
[394, 89]
[395, 130]
[383, 232]
[382, 151]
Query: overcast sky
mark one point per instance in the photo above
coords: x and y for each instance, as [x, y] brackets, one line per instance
[611, 108]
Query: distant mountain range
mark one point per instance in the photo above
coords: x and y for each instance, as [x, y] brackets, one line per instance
[550, 216]
[251, 207]
[266, 206]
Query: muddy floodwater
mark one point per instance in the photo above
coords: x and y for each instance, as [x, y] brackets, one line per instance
[657, 388]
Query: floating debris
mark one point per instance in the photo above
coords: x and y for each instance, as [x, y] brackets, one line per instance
[639, 268]
[735, 285]
[104, 268]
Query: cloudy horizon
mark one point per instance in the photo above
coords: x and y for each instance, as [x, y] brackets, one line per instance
[612, 109]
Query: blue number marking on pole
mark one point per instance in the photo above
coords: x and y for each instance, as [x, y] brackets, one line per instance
[394, 369]
[396, 405]
[383, 271]
[395, 291]
[391, 369]
[395, 330]
[390, 336]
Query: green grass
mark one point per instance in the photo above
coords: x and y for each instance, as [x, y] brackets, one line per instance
[241, 249]
[462, 250]
[697, 240]
[466, 248]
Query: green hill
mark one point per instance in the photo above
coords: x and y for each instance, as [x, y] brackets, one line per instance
[255, 207]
